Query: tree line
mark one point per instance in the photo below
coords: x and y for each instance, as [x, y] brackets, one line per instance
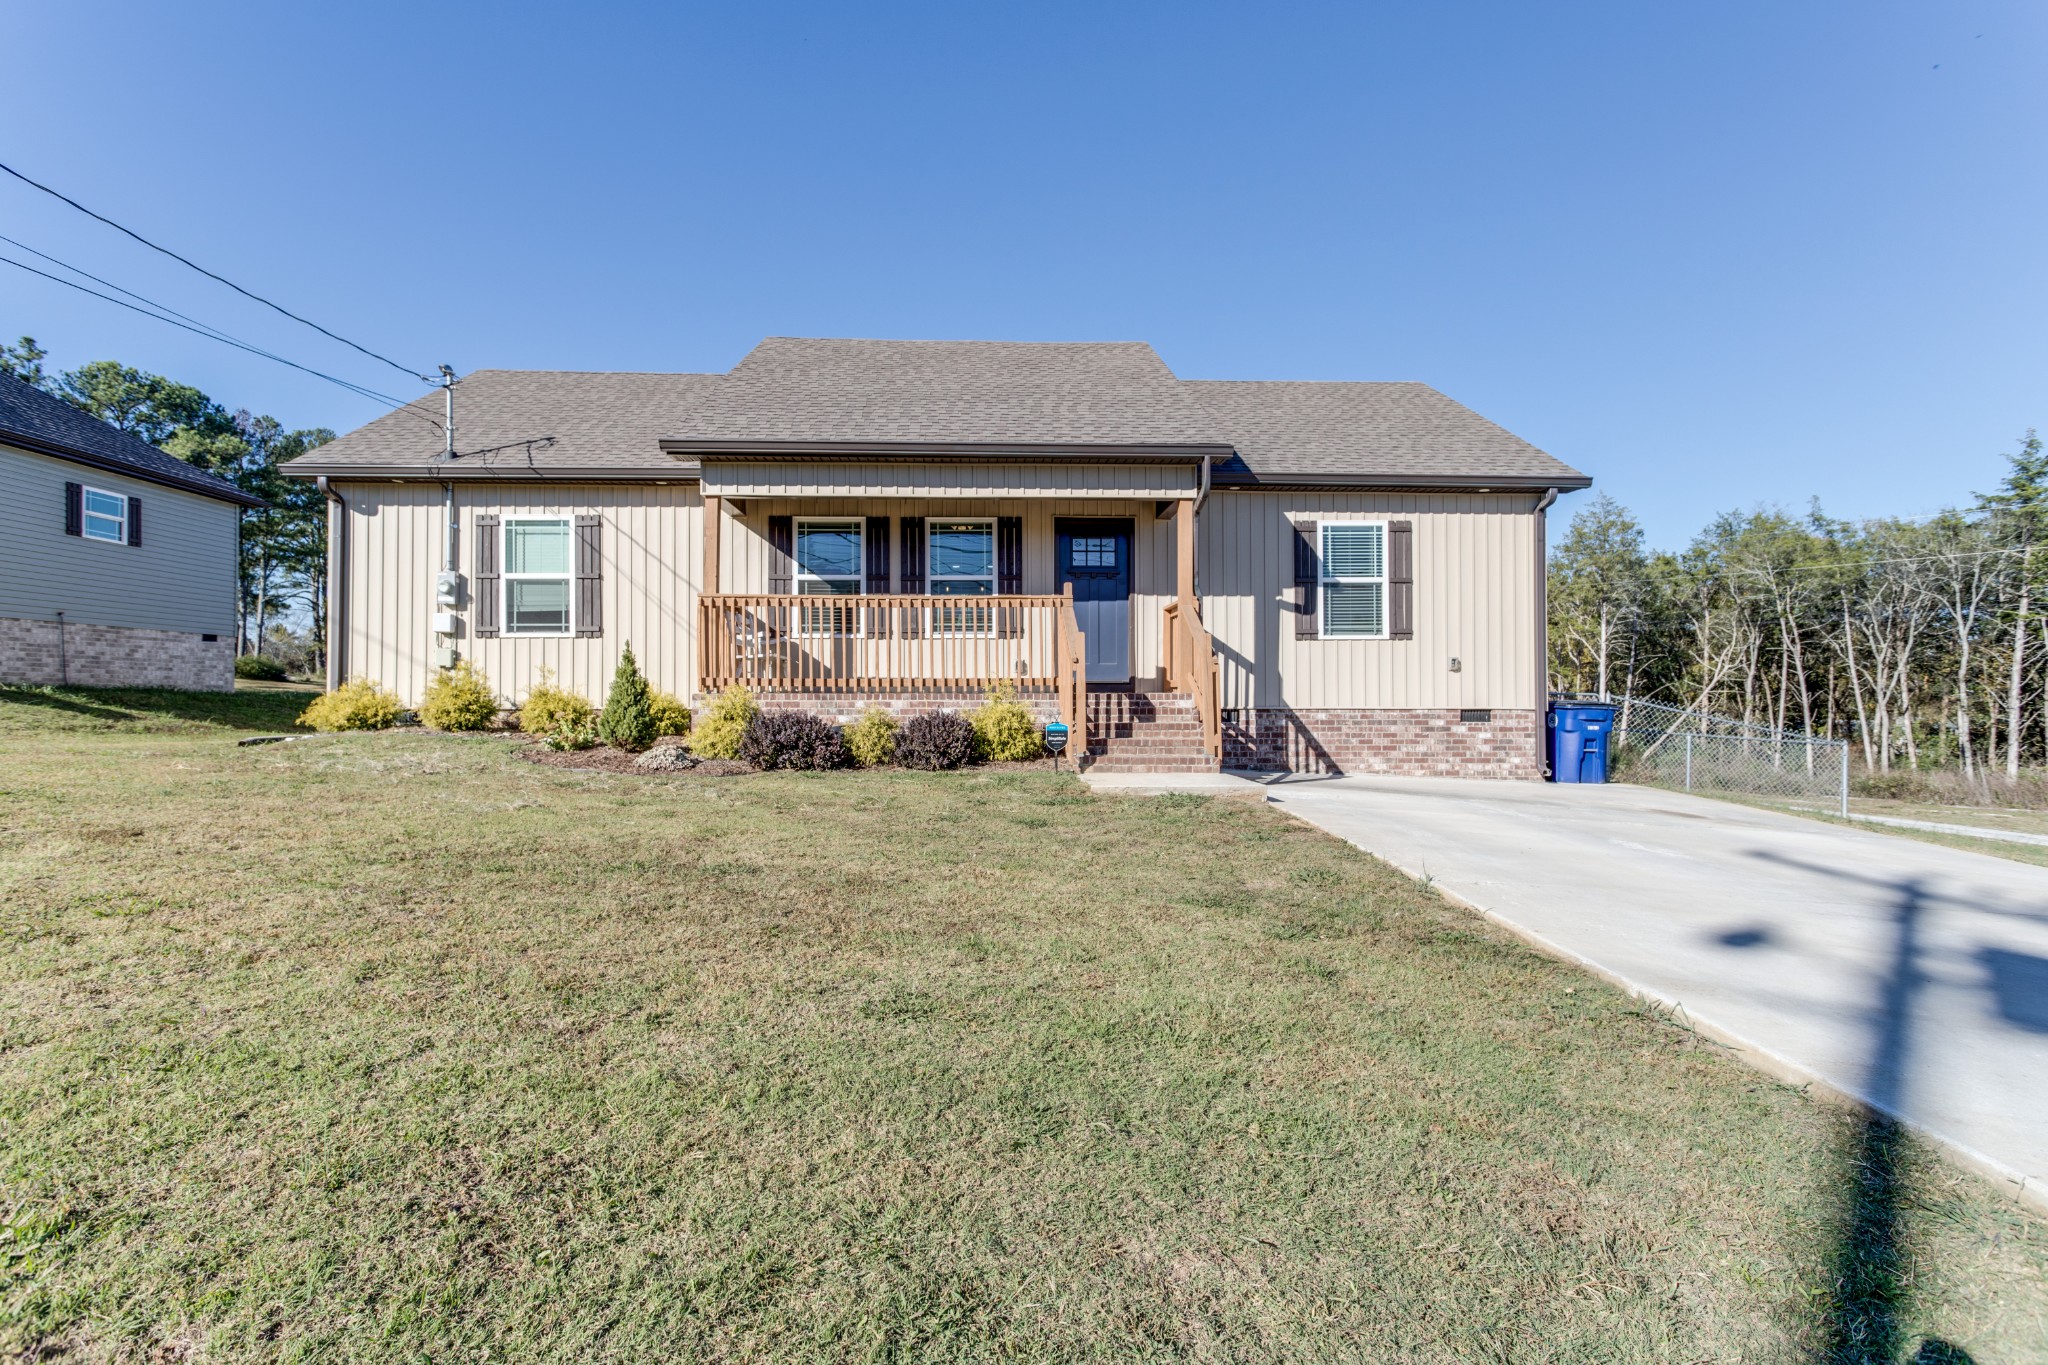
[283, 561]
[1922, 641]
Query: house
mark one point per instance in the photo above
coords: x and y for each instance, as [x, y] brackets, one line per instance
[1310, 576]
[117, 561]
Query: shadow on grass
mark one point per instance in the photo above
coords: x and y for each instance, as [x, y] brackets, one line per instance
[59, 709]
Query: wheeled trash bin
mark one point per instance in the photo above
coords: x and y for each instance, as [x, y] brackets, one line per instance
[1580, 735]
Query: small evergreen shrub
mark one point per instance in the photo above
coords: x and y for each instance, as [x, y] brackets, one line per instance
[796, 740]
[628, 719]
[572, 733]
[671, 717]
[935, 741]
[459, 698]
[1005, 731]
[357, 704]
[548, 707]
[719, 730]
[259, 668]
[871, 740]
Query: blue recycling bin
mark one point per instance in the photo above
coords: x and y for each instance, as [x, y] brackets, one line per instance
[1580, 735]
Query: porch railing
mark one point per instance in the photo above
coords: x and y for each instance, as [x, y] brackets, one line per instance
[1191, 668]
[829, 643]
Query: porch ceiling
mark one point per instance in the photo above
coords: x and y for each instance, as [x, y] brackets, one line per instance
[769, 478]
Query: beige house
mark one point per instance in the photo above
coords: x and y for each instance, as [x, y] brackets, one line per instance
[1311, 576]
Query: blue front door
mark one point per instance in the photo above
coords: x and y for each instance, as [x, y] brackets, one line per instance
[1095, 556]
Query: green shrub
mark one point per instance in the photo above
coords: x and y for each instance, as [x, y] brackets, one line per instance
[722, 725]
[1005, 730]
[671, 717]
[628, 719]
[872, 739]
[459, 698]
[549, 707]
[357, 704]
[571, 733]
[259, 668]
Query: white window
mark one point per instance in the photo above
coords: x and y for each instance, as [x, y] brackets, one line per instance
[106, 516]
[960, 561]
[828, 564]
[1354, 580]
[537, 580]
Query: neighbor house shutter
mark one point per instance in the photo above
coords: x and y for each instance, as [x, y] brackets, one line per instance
[487, 581]
[74, 509]
[910, 574]
[1010, 571]
[781, 549]
[589, 577]
[1400, 580]
[1307, 577]
[135, 521]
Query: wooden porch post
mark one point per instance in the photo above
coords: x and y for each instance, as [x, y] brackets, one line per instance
[1184, 552]
[714, 513]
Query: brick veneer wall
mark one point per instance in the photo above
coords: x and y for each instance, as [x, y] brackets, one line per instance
[41, 653]
[1409, 743]
[845, 708]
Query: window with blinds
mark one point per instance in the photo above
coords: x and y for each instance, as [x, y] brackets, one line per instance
[1354, 580]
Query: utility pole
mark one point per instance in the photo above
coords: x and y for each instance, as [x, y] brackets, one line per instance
[448, 454]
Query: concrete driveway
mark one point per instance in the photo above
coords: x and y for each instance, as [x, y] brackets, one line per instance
[1909, 975]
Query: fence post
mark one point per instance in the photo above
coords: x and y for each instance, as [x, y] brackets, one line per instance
[1845, 779]
[1688, 760]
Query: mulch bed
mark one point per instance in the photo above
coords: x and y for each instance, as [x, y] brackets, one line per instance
[604, 760]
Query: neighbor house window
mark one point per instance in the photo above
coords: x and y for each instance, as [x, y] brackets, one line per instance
[961, 562]
[1354, 579]
[828, 564]
[537, 580]
[106, 516]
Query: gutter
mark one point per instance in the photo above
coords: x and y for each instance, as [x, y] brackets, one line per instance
[1543, 630]
[913, 451]
[337, 588]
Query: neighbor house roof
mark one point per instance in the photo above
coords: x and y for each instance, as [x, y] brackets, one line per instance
[33, 420]
[520, 424]
[792, 398]
[1368, 433]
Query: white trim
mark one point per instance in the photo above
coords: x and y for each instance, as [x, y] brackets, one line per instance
[797, 576]
[506, 577]
[969, 628]
[86, 514]
[1324, 578]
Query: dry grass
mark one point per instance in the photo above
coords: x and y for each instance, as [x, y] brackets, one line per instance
[395, 1047]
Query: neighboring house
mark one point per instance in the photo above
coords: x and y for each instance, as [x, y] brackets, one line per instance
[117, 561]
[1312, 576]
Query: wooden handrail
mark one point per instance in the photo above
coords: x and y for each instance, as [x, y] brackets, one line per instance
[1191, 667]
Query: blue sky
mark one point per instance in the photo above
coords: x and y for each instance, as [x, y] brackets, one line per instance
[1715, 255]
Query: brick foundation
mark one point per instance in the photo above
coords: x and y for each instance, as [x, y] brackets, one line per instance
[843, 708]
[39, 653]
[1408, 743]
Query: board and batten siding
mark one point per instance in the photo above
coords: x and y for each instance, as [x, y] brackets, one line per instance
[181, 578]
[743, 557]
[650, 562]
[966, 479]
[1475, 600]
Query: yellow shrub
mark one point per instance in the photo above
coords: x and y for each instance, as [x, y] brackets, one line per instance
[357, 704]
[548, 707]
[719, 729]
[872, 739]
[671, 717]
[1005, 730]
[459, 698]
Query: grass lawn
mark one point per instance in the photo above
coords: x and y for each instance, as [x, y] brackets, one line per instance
[397, 1047]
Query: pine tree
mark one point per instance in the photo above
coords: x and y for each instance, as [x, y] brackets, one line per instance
[628, 719]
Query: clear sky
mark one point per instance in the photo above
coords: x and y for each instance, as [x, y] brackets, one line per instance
[1713, 254]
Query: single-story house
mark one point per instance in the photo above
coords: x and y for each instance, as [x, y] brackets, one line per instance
[117, 561]
[1309, 576]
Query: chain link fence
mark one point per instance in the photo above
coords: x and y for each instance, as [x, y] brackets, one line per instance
[1660, 745]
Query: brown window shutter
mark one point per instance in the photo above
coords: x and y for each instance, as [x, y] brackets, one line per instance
[1009, 555]
[135, 521]
[912, 575]
[74, 509]
[1400, 580]
[781, 546]
[1308, 576]
[877, 537]
[589, 577]
[487, 580]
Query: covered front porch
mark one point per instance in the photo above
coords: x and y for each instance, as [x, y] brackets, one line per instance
[838, 593]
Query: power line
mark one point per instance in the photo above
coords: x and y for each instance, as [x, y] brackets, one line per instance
[211, 333]
[402, 369]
